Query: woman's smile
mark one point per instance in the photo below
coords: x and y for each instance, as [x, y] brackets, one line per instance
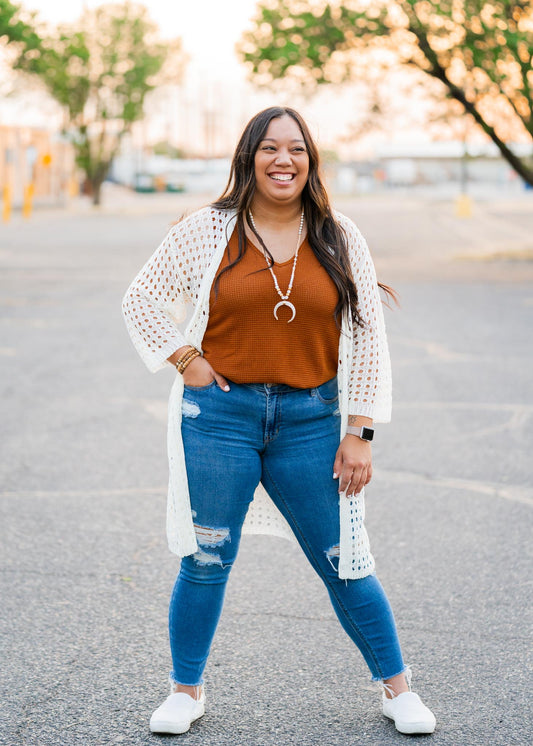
[282, 177]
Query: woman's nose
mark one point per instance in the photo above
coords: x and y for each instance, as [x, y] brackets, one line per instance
[283, 157]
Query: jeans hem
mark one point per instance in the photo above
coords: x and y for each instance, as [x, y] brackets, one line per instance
[172, 680]
[391, 676]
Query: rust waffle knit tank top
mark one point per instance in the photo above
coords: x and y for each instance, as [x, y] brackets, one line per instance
[243, 340]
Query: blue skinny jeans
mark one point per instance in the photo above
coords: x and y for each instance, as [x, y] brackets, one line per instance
[286, 438]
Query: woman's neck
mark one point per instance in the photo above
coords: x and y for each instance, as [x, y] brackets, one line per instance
[276, 215]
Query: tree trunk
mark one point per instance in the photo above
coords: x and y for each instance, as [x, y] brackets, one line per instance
[96, 186]
[517, 163]
[438, 71]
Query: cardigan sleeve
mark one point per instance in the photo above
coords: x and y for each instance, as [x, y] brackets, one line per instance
[370, 384]
[154, 305]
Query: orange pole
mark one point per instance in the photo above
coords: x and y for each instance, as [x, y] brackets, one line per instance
[6, 200]
[28, 200]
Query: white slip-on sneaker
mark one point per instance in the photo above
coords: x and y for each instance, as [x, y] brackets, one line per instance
[177, 713]
[409, 713]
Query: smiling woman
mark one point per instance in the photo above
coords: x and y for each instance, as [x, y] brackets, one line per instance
[281, 165]
[282, 370]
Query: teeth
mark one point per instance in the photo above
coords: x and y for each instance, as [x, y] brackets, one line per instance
[282, 177]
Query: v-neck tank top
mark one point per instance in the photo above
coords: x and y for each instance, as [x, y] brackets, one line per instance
[247, 344]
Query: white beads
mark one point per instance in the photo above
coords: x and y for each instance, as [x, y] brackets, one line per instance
[276, 284]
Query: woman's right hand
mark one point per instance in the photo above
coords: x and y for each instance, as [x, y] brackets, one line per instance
[200, 373]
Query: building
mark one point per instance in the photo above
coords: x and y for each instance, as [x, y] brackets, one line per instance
[32, 156]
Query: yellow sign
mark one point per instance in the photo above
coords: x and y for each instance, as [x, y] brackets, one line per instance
[47, 159]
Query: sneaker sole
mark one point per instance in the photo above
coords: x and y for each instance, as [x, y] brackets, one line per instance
[413, 728]
[176, 729]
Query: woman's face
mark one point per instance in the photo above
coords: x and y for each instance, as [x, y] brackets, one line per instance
[281, 162]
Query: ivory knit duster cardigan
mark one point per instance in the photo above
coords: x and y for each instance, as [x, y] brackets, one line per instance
[167, 306]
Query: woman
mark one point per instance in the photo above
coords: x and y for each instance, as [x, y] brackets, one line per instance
[282, 369]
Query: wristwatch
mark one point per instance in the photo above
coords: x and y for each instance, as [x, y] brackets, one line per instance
[365, 433]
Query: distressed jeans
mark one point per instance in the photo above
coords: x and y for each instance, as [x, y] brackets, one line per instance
[286, 438]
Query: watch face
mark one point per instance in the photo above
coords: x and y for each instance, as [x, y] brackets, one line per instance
[367, 433]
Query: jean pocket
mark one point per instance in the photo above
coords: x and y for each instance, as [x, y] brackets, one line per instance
[327, 393]
[201, 388]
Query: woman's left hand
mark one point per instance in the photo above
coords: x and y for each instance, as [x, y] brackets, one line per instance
[353, 465]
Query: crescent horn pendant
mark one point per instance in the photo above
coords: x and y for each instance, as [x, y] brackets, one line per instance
[284, 303]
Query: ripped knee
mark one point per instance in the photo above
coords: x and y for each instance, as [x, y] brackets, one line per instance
[209, 538]
[207, 558]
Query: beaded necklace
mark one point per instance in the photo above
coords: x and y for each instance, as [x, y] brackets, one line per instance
[284, 296]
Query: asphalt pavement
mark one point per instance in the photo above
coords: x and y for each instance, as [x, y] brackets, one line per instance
[85, 572]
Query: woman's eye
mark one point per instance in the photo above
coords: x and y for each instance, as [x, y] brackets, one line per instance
[293, 150]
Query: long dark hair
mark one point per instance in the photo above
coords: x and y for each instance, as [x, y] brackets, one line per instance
[326, 237]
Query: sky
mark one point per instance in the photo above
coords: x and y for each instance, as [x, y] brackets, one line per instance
[215, 101]
[209, 28]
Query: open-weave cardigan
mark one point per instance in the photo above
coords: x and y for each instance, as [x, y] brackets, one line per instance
[167, 306]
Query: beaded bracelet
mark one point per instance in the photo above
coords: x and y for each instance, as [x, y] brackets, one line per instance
[182, 366]
[189, 355]
[188, 350]
[184, 355]
[187, 362]
[186, 358]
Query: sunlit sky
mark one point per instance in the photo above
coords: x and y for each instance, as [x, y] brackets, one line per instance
[208, 28]
[215, 79]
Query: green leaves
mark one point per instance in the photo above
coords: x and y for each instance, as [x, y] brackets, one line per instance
[100, 70]
[60, 62]
[14, 29]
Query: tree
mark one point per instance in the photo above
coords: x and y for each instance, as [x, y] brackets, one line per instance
[166, 148]
[13, 28]
[100, 71]
[481, 52]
